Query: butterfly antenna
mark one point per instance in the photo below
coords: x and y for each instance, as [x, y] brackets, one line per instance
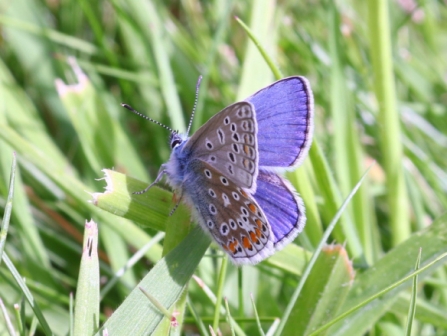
[147, 118]
[195, 104]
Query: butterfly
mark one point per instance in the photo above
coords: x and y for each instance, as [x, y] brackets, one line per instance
[227, 171]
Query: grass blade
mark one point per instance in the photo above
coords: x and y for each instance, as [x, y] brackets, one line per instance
[412, 307]
[317, 252]
[8, 209]
[390, 135]
[87, 292]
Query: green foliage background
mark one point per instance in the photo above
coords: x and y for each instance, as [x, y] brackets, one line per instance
[378, 70]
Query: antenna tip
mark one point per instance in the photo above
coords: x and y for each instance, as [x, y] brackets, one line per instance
[127, 106]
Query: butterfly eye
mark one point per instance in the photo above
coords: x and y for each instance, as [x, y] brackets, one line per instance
[175, 143]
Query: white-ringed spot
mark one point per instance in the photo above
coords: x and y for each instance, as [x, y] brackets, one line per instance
[209, 144]
[211, 193]
[212, 209]
[235, 148]
[249, 139]
[247, 126]
[226, 200]
[224, 229]
[244, 211]
[233, 127]
[232, 224]
[235, 195]
[224, 180]
[221, 136]
[232, 157]
[207, 173]
[210, 223]
[249, 165]
[227, 120]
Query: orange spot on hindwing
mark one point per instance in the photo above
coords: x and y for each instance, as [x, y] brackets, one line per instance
[246, 150]
[253, 237]
[232, 246]
[252, 207]
[246, 243]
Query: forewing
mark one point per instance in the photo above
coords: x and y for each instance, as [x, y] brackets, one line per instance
[228, 142]
[282, 206]
[229, 213]
[284, 114]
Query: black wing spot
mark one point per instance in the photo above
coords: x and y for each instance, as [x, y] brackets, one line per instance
[212, 209]
[221, 136]
[224, 180]
[232, 224]
[235, 148]
[207, 173]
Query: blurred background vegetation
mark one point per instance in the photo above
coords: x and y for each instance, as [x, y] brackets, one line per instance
[378, 70]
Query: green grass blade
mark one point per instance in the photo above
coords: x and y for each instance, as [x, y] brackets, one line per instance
[390, 134]
[75, 189]
[8, 209]
[199, 322]
[331, 195]
[86, 313]
[346, 141]
[425, 312]
[395, 285]
[26, 292]
[221, 281]
[166, 282]
[258, 322]
[131, 262]
[7, 319]
[323, 293]
[259, 46]
[414, 292]
[119, 199]
[371, 282]
[314, 258]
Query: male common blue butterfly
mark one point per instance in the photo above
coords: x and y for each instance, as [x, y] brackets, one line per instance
[226, 171]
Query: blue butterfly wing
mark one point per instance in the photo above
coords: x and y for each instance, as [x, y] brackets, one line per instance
[284, 114]
[282, 206]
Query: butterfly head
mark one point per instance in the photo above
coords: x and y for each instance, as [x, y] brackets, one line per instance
[177, 140]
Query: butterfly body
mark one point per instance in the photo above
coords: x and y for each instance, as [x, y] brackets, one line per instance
[227, 170]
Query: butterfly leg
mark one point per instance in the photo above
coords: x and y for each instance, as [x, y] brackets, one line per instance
[159, 177]
[177, 200]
